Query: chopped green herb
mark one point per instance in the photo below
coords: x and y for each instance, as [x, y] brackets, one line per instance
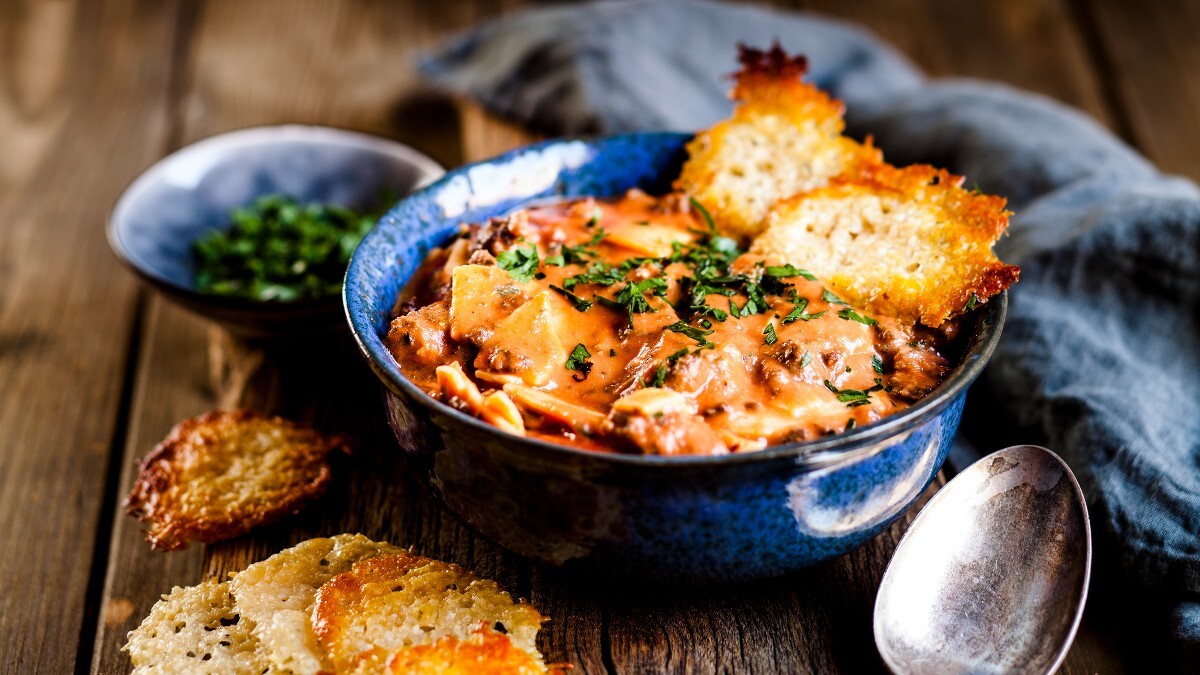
[632, 296]
[851, 315]
[972, 301]
[679, 354]
[798, 312]
[599, 273]
[692, 332]
[769, 331]
[595, 219]
[578, 302]
[660, 376]
[832, 299]
[718, 314]
[578, 361]
[877, 364]
[570, 255]
[280, 250]
[787, 271]
[805, 360]
[604, 274]
[854, 397]
[708, 219]
[521, 262]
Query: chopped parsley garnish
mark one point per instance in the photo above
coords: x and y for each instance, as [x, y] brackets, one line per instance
[577, 255]
[708, 219]
[604, 274]
[279, 250]
[806, 359]
[756, 301]
[972, 301]
[851, 315]
[788, 271]
[798, 312]
[578, 361]
[697, 334]
[660, 376]
[709, 310]
[854, 397]
[877, 364]
[521, 262]
[578, 302]
[769, 331]
[832, 299]
[632, 298]
[634, 293]
[599, 273]
[679, 354]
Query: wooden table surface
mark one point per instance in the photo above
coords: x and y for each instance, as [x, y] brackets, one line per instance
[95, 369]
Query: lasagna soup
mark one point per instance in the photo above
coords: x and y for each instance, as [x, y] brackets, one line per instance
[632, 325]
[824, 295]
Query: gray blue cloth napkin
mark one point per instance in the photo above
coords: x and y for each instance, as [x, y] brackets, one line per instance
[1100, 359]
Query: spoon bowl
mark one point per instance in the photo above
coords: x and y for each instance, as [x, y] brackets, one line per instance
[992, 575]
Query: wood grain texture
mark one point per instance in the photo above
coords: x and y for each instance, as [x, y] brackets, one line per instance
[1153, 56]
[66, 307]
[1032, 44]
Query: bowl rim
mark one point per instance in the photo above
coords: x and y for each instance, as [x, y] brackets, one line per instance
[429, 171]
[813, 454]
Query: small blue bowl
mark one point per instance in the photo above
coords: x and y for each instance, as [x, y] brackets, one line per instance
[192, 191]
[670, 519]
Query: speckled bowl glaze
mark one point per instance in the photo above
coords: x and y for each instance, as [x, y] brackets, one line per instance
[669, 519]
[192, 191]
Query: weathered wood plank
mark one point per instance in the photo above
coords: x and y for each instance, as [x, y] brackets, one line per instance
[78, 81]
[1031, 44]
[818, 620]
[1153, 57]
[345, 64]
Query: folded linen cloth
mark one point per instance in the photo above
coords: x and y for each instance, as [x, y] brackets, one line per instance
[1100, 358]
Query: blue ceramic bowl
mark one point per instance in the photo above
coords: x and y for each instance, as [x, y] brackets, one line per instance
[674, 519]
[192, 191]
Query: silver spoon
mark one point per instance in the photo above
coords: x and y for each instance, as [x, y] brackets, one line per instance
[992, 575]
